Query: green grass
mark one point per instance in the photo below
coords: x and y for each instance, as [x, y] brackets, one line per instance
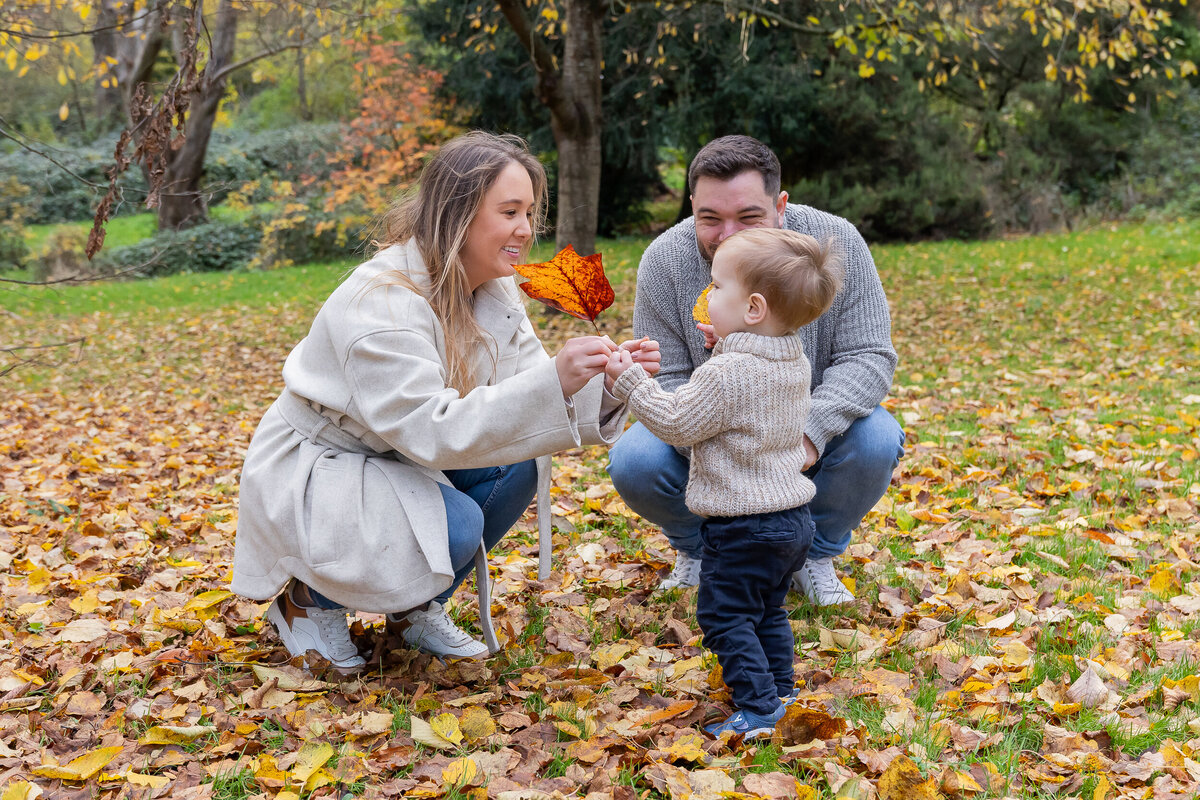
[120, 231]
[192, 293]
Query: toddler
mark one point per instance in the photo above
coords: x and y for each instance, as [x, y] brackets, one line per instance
[743, 414]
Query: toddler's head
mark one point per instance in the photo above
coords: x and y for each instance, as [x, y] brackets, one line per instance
[796, 275]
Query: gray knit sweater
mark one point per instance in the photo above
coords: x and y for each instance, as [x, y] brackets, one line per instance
[849, 347]
[743, 414]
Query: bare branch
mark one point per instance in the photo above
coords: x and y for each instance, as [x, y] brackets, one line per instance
[29, 360]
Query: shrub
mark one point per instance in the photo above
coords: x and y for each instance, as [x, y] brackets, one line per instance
[299, 233]
[62, 256]
[234, 158]
[14, 209]
[212, 247]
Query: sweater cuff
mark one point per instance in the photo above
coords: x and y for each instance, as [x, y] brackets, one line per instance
[624, 385]
[824, 423]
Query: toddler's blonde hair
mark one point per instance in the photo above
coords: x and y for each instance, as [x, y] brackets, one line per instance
[798, 276]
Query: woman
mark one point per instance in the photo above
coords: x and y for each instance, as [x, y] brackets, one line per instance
[412, 413]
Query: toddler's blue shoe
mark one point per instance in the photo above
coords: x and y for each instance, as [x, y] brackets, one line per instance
[748, 724]
[790, 698]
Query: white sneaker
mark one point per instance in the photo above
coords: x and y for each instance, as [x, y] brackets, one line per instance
[818, 581]
[686, 572]
[304, 628]
[431, 630]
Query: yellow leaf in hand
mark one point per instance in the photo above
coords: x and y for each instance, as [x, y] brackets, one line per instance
[700, 310]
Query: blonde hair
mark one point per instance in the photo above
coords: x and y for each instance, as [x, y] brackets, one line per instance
[797, 275]
[437, 215]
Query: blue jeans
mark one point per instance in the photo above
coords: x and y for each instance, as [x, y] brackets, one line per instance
[481, 504]
[851, 475]
[744, 578]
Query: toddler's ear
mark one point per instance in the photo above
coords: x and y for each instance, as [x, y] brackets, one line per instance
[756, 309]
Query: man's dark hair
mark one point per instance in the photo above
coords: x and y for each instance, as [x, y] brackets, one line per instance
[730, 156]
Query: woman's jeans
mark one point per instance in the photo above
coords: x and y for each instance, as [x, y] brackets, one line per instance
[851, 475]
[481, 504]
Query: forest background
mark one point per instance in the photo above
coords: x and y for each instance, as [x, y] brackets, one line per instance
[1028, 621]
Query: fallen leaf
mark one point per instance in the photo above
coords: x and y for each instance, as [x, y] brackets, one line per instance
[83, 630]
[174, 734]
[82, 768]
[1088, 690]
[424, 733]
[477, 723]
[902, 780]
[800, 724]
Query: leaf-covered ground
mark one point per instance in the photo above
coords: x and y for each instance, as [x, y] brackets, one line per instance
[1029, 613]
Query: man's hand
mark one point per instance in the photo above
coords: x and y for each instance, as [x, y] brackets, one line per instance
[644, 351]
[810, 452]
[580, 360]
[710, 337]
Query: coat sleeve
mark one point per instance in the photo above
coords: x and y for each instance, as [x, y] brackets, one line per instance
[692, 413]
[398, 383]
[863, 360]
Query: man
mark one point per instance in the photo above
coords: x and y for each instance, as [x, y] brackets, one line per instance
[853, 443]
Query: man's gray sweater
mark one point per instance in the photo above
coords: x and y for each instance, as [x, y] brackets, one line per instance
[849, 347]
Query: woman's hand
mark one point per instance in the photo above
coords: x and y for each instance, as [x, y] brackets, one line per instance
[580, 360]
[644, 351]
[618, 362]
[710, 337]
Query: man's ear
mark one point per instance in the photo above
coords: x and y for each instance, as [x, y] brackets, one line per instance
[781, 206]
[756, 309]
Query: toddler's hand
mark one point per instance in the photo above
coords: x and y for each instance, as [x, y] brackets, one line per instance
[710, 338]
[644, 351]
[618, 362]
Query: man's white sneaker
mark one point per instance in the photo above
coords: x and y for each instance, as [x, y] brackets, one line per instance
[686, 572]
[304, 628]
[818, 581]
[431, 630]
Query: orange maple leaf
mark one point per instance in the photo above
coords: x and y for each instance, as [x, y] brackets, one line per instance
[572, 283]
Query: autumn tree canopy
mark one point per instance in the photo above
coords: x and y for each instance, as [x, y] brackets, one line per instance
[120, 47]
[1075, 45]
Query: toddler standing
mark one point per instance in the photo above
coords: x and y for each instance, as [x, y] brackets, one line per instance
[743, 414]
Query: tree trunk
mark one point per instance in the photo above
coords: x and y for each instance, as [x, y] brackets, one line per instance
[182, 204]
[302, 82]
[572, 93]
[577, 125]
[108, 98]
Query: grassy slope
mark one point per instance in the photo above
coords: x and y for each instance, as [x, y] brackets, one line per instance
[1050, 391]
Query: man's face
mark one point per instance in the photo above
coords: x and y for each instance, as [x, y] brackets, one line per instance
[724, 207]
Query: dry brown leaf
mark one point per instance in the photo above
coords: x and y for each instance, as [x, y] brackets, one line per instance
[1088, 689]
[903, 780]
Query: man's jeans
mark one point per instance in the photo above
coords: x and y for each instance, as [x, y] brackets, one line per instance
[747, 569]
[850, 476]
[480, 504]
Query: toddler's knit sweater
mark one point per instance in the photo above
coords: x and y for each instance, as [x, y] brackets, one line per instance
[743, 414]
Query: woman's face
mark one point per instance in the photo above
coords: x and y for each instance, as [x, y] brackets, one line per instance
[501, 230]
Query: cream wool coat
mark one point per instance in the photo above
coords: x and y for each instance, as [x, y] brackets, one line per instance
[339, 487]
